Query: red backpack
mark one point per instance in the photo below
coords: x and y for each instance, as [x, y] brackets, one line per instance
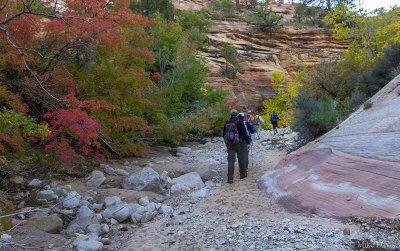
[247, 118]
[256, 120]
[231, 133]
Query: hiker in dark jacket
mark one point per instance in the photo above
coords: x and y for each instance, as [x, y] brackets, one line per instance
[237, 142]
[274, 121]
[249, 131]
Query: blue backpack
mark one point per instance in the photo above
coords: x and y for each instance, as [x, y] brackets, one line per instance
[274, 117]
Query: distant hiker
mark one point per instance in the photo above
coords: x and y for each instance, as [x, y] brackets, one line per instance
[248, 117]
[257, 121]
[237, 142]
[274, 121]
[250, 131]
[249, 127]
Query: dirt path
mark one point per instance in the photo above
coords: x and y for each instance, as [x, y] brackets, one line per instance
[234, 216]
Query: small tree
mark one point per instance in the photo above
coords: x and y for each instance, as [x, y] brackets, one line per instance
[223, 8]
[264, 17]
[230, 55]
[287, 91]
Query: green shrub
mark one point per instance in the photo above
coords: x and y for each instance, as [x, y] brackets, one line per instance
[196, 24]
[368, 104]
[384, 70]
[314, 116]
[264, 17]
[150, 8]
[309, 15]
[223, 9]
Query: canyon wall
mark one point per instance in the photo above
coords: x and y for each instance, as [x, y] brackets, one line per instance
[261, 53]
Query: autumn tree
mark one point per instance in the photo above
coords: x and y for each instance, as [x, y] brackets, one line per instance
[287, 90]
[43, 44]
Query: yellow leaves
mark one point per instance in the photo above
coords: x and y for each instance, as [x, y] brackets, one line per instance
[371, 32]
[287, 91]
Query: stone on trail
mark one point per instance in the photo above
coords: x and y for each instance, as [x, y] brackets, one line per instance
[121, 172]
[95, 179]
[116, 209]
[144, 201]
[166, 210]
[34, 183]
[144, 180]
[84, 218]
[183, 149]
[71, 200]
[46, 195]
[89, 246]
[109, 170]
[191, 180]
[48, 223]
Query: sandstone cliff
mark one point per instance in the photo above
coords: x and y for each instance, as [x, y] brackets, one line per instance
[354, 170]
[261, 53]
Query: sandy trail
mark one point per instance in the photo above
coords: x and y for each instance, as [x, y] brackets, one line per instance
[198, 225]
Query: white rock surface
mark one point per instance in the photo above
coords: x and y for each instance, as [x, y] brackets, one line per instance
[95, 179]
[146, 179]
[71, 200]
[191, 180]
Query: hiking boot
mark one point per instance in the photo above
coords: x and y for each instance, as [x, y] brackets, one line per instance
[243, 176]
[230, 181]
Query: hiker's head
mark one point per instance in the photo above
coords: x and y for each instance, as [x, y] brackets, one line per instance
[234, 113]
[241, 115]
[273, 111]
[249, 112]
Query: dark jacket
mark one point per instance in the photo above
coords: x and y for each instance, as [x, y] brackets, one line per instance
[241, 129]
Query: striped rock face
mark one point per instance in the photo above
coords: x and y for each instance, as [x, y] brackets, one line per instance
[353, 170]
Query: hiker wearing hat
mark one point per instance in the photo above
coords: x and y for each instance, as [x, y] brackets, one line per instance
[237, 142]
[248, 117]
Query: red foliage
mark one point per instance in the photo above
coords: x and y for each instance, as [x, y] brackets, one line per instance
[81, 129]
[41, 46]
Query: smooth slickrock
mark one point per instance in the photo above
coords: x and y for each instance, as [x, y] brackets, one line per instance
[353, 170]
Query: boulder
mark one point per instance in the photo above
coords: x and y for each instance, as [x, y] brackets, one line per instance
[34, 183]
[116, 209]
[46, 195]
[71, 200]
[109, 170]
[95, 179]
[191, 180]
[48, 223]
[121, 172]
[144, 180]
[89, 246]
[84, 218]
[144, 201]
[166, 210]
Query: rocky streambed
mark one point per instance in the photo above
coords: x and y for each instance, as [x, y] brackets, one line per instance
[177, 199]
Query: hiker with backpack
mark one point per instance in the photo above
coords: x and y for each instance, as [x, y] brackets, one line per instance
[257, 121]
[237, 142]
[248, 117]
[250, 131]
[274, 121]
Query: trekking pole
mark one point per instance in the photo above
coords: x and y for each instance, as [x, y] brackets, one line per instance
[251, 152]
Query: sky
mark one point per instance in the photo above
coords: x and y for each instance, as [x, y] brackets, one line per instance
[374, 4]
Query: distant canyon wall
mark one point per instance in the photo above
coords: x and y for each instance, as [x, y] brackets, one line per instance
[261, 53]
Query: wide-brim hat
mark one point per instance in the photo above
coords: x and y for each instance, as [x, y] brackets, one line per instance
[234, 112]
